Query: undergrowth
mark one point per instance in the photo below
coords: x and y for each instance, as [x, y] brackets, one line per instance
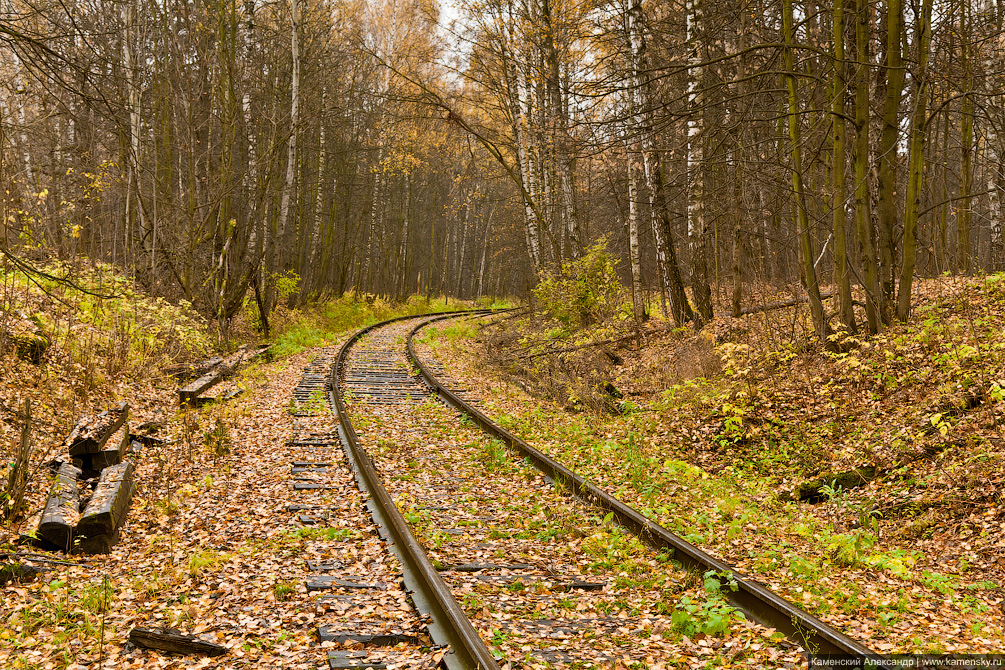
[101, 322]
[319, 324]
[721, 421]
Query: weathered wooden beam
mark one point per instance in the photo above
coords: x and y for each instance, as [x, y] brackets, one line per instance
[185, 371]
[206, 400]
[62, 510]
[93, 464]
[145, 440]
[91, 433]
[231, 363]
[97, 544]
[814, 490]
[30, 347]
[187, 394]
[107, 509]
[18, 573]
[173, 641]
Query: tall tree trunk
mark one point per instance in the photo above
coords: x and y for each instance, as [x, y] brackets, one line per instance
[695, 170]
[994, 62]
[802, 216]
[996, 184]
[291, 151]
[944, 260]
[403, 259]
[638, 303]
[963, 219]
[890, 123]
[485, 252]
[250, 179]
[532, 222]
[739, 161]
[863, 201]
[559, 139]
[666, 255]
[133, 96]
[917, 159]
[22, 121]
[460, 243]
[842, 277]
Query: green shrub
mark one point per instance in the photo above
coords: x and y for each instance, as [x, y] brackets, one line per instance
[584, 291]
[111, 321]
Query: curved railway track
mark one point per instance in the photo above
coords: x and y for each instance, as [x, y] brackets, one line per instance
[490, 543]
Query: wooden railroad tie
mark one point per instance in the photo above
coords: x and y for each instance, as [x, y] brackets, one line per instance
[91, 433]
[173, 641]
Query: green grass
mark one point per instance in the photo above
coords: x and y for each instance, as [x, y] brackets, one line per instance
[329, 534]
[319, 324]
[452, 333]
[628, 456]
[284, 590]
[204, 560]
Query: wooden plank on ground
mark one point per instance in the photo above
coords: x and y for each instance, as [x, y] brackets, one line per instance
[187, 394]
[91, 433]
[98, 544]
[93, 464]
[106, 458]
[185, 371]
[30, 346]
[206, 400]
[108, 506]
[173, 641]
[61, 510]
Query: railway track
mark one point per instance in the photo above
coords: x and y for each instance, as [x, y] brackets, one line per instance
[365, 615]
[503, 565]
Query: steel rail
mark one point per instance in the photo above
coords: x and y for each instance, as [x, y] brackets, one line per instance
[759, 603]
[449, 627]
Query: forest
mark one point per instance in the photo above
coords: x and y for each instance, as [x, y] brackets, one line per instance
[213, 149]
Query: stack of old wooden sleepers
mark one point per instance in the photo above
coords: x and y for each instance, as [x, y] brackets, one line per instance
[211, 372]
[90, 523]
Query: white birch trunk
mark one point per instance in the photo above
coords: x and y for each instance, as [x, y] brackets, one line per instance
[994, 62]
[646, 144]
[695, 157]
[403, 248]
[21, 118]
[700, 289]
[485, 251]
[532, 232]
[459, 244]
[666, 258]
[291, 155]
[633, 242]
[315, 240]
[250, 180]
